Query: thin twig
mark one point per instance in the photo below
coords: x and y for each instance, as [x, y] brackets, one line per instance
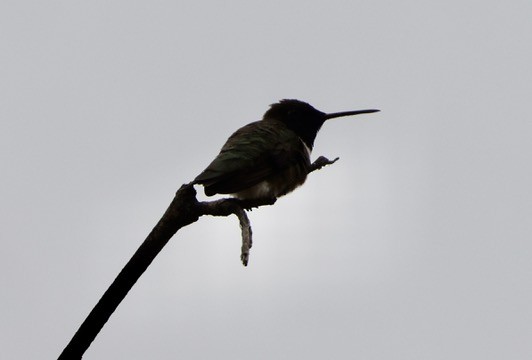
[183, 210]
[321, 162]
[247, 241]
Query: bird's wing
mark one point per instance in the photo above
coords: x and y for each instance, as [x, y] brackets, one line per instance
[249, 157]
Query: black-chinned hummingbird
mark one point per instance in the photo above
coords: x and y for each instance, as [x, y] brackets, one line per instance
[269, 158]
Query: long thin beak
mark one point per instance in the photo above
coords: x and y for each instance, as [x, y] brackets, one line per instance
[348, 113]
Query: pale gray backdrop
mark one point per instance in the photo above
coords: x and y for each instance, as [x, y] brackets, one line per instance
[415, 245]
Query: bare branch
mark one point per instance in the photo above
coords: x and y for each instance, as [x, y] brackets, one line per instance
[247, 242]
[183, 210]
[321, 162]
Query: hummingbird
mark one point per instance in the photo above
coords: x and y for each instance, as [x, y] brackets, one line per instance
[269, 158]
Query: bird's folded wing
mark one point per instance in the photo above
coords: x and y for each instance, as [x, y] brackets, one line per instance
[252, 154]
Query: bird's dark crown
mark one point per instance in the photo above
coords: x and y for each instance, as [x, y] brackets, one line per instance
[298, 116]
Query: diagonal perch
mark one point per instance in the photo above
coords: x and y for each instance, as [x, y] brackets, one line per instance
[183, 210]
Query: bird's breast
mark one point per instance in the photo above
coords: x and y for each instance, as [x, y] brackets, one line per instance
[280, 183]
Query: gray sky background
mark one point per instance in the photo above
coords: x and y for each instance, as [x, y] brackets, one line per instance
[415, 245]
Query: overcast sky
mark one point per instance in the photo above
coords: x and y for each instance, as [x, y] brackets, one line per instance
[415, 245]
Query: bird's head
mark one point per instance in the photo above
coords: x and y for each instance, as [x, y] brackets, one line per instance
[302, 118]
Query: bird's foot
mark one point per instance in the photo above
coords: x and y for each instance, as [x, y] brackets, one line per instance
[249, 204]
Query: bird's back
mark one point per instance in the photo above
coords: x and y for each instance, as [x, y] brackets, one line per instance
[261, 159]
